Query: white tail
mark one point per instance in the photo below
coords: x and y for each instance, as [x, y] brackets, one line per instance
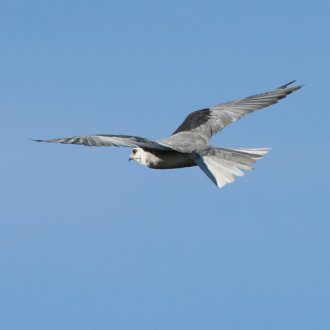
[221, 165]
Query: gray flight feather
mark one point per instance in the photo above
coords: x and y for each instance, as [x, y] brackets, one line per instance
[207, 122]
[106, 140]
[200, 125]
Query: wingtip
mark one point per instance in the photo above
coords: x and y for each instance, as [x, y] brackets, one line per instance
[290, 83]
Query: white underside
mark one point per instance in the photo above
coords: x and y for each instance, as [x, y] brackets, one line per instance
[223, 166]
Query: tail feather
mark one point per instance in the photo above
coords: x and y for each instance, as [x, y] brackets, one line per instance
[221, 165]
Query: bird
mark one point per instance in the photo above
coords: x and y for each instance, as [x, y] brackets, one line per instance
[189, 143]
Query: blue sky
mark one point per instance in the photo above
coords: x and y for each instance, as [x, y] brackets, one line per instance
[91, 241]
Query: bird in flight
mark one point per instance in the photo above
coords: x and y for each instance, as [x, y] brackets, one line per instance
[189, 144]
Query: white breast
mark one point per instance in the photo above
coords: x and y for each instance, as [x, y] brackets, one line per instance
[160, 159]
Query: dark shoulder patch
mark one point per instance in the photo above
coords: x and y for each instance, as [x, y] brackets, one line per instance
[194, 120]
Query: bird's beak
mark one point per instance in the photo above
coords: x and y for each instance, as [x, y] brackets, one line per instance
[130, 158]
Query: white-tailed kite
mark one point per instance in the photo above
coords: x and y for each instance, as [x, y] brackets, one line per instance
[189, 144]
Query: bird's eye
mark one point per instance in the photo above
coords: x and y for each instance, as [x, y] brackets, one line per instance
[134, 151]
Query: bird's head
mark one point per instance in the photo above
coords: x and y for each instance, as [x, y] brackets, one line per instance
[138, 155]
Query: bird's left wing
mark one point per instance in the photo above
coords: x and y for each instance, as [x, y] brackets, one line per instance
[106, 140]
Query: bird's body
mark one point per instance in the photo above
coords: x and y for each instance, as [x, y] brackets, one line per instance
[162, 159]
[189, 146]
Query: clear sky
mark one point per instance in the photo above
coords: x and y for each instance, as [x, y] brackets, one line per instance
[91, 241]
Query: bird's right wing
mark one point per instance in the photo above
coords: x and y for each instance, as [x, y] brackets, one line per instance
[106, 140]
[211, 120]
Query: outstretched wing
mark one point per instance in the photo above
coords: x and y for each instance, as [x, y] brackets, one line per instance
[107, 140]
[207, 122]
